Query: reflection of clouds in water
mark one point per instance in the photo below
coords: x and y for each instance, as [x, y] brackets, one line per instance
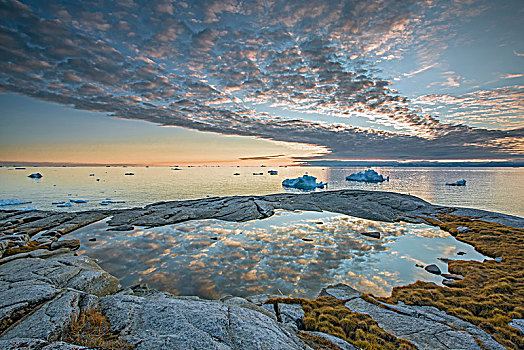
[211, 258]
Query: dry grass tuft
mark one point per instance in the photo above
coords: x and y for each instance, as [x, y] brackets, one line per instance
[492, 293]
[92, 329]
[31, 245]
[329, 315]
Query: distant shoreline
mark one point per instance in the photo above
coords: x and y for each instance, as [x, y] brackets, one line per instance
[327, 163]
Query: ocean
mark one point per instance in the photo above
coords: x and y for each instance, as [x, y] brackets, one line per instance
[494, 189]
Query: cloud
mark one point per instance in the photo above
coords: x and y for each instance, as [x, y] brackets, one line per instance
[511, 76]
[202, 64]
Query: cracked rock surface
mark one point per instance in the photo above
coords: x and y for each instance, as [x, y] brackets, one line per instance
[425, 326]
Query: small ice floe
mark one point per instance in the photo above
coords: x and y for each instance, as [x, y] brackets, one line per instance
[77, 201]
[35, 176]
[367, 176]
[457, 183]
[55, 203]
[107, 202]
[27, 209]
[305, 182]
[273, 172]
[129, 174]
[12, 202]
[64, 205]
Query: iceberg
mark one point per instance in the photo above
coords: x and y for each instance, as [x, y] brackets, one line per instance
[107, 202]
[27, 209]
[12, 202]
[273, 172]
[64, 205]
[35, 176]
[367, 176]
[457, 183]
[129, 174]
[305, 182]
[77, 201]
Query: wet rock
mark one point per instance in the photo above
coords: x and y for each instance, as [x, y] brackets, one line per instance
[433, 269]
[339, 291]
[372, 234]
[461, 253]
[307, 239]
[92, 239]
[341, 343]
[447, 282]
[177, 323]
[452, 276]
[418, 265]
[72, 244]
[121, 228]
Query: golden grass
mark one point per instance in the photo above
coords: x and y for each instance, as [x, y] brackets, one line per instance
[492, 293]
[329, 315]
[31, 245]
[92, 329]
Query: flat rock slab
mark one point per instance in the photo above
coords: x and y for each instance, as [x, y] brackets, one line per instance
[38, 296]
[339, 291]
[341, 343]
[426, 327]
[36, 344]
[372, 205]
[182, 323]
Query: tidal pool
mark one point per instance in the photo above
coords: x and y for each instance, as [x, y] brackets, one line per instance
[293, 253]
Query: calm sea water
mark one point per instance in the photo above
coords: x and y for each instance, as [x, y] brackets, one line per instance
[495, 189]
[293, 253]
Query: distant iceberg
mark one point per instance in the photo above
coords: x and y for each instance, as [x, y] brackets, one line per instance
[305, 182]
[27, 209]
[367, 176]
[78, 201]
[35, 176]
[12, 202]
[64, 205]
[273, 172]
[457, 183]
[107, 202]
[129, 174]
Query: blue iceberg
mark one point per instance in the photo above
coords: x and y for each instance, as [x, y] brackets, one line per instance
[367, 176]
[78, 201]
[457, 183]
[305, 182]
[35, 176]
[12, 202]
[64, 205]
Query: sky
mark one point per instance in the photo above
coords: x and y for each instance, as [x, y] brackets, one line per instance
[245, 82]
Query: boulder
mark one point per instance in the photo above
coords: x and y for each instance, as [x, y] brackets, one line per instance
[372, 234]
[433, 269]
[180, 323]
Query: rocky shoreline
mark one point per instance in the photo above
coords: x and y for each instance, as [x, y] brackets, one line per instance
[44, 285]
